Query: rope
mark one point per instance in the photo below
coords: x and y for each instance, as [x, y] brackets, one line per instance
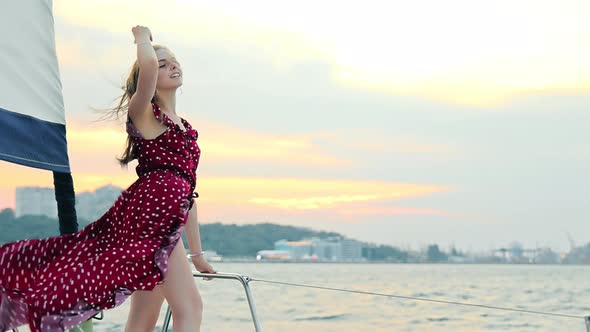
[420, 299]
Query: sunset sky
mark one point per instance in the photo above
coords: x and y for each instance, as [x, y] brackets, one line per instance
[396, 122]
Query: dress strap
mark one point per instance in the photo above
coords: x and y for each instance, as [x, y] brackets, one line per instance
[162, 117]
[158, 113]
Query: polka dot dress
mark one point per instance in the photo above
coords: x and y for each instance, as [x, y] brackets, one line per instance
[56, 283]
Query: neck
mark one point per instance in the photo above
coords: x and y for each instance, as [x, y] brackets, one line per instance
[167, 100]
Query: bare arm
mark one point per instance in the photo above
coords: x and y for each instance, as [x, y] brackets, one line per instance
[193, 236]
[140, 102]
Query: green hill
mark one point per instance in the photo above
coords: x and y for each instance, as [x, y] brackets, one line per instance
[246, 240]
[229, 240]
[226, 239]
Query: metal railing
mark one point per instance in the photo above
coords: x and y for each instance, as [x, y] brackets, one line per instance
[244, 280]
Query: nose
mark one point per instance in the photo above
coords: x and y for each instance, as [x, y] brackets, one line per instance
[172, 65]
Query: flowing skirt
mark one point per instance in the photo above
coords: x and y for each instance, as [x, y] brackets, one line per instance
[56, 283]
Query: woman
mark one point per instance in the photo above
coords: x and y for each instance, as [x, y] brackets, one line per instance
[134, 249]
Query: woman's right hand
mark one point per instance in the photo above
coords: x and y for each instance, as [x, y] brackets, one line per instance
[203, 266]
[141, 34]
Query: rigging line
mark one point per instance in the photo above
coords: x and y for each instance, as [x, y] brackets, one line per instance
[420, 299]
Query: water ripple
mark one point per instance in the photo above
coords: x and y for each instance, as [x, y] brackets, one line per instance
[327, 317]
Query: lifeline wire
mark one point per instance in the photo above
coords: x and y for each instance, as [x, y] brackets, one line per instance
[420, 299]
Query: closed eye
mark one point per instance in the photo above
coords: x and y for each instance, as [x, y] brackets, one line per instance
[166, 61]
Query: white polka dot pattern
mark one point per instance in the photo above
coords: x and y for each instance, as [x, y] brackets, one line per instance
[56, 283]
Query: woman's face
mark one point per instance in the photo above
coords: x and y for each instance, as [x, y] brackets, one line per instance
[169, 71]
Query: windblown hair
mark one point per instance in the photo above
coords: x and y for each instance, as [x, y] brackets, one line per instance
[123, 107]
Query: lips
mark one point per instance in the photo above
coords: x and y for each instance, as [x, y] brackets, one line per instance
[175, 75]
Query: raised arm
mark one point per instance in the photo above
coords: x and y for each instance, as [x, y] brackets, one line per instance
[140, 102]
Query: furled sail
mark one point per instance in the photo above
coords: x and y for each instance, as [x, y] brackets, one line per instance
[32, 118]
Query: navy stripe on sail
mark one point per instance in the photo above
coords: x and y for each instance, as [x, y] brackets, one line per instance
[28, 141]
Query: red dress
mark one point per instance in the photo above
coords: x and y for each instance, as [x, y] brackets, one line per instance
[56, 283]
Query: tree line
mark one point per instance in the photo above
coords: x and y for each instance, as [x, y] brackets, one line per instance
[229, 240]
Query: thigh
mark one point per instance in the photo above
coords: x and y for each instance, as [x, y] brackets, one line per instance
[145, 309]
[179, 287]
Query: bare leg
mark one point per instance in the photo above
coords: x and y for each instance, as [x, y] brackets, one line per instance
[145, 310]
[180, 290]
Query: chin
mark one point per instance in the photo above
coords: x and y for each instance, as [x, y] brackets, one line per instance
[173, 86]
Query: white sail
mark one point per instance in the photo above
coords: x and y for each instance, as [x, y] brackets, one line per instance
[32, 118]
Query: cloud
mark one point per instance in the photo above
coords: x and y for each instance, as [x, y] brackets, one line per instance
[97, 54]
[309, 203]
[221, 144]
[292, 115]
[224, 143]
[303, 201]
[307, 194]
[391, 211]
[467, 59]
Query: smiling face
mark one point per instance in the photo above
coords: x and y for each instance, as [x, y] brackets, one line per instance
[169, 71]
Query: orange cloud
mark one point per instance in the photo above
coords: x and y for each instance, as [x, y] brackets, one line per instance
[307, 203]
[224, 143]
[80, 137]
[302, 200]
[219, 142]
[93, 147]
[297, 193]
[248, 199]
